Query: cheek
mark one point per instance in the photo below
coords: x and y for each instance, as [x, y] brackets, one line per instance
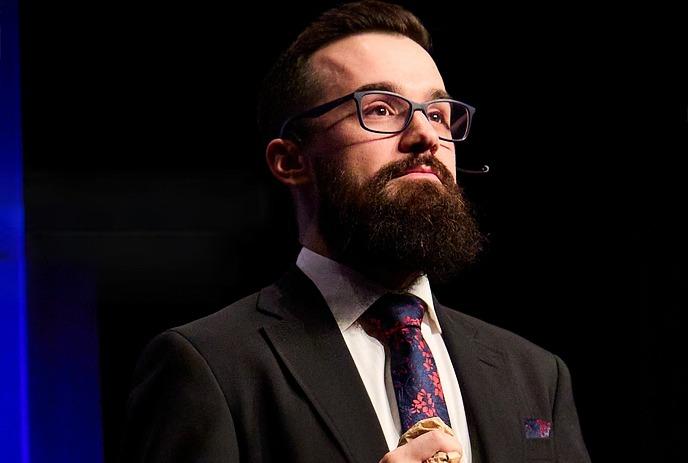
[362, 165]
[366, 159]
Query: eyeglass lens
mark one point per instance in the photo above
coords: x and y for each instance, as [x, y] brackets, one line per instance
[388, 113]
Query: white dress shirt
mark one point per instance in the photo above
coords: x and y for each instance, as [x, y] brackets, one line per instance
[349, 294]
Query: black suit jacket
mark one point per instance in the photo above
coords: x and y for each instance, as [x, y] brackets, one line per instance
[270, 378]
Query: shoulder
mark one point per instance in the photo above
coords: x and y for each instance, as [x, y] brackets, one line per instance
[193, 339]
[211, 350]
[499, 344]
[219, 333]
[237, 333]
[240, 313]
[499, 337]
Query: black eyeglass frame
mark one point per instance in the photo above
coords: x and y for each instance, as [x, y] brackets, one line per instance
[358, 96]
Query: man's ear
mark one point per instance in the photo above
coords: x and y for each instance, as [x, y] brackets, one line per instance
[287, 162]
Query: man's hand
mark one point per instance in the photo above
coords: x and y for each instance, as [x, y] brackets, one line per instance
[423, 447]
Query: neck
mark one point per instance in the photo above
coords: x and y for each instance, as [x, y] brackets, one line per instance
[380, 274]
[393, 280]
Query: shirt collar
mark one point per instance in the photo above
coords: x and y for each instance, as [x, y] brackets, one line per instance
[349, 294]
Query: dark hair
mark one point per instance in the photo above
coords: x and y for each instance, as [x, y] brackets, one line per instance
[291, 85]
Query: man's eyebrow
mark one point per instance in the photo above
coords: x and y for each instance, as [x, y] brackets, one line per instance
[390, 87]
[385, 86]
[438, 94]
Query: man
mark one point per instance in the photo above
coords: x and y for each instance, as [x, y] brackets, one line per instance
[316, 367]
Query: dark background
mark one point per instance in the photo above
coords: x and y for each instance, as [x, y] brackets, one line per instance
[148, 203]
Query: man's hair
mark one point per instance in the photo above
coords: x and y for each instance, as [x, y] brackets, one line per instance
[291, 86]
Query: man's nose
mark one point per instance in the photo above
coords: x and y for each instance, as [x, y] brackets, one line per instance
[419, 136]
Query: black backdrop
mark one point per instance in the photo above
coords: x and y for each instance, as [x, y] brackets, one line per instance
[146, 188]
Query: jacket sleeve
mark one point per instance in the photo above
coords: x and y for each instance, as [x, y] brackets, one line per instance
[177, 411]
[570, 447]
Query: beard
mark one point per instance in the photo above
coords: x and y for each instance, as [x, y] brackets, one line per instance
[409, 227]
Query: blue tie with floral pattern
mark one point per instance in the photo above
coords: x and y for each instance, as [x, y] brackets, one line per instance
[395, 320]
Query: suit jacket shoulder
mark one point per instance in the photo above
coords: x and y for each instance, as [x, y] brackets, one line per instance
[503, 347]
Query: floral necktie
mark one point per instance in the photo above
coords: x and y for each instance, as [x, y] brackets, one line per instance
[395, 320]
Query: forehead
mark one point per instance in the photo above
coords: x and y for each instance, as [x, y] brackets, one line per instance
[361, 59]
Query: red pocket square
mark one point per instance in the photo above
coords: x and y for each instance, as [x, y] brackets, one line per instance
[537, 428]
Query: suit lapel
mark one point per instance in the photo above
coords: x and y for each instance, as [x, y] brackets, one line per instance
[489, 398]
[310, 345]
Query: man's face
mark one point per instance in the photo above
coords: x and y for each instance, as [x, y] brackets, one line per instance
[386, 62]
[386, 200]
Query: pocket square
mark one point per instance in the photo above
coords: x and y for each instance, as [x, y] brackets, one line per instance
[537, 428]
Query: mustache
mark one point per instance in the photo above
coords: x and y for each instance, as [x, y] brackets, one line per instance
[398, 168]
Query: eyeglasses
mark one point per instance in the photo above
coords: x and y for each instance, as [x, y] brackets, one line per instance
[387, 112]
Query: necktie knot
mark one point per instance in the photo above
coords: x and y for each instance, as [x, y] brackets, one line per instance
[394, 314]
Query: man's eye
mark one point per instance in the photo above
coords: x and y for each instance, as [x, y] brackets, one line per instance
[380, 110]
[437, 117]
